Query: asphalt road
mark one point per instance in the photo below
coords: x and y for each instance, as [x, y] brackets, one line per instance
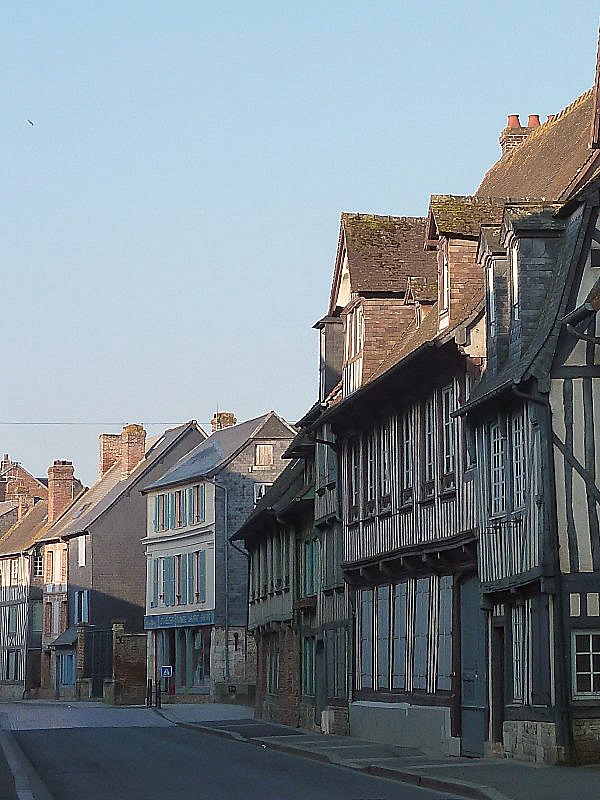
[169, 763]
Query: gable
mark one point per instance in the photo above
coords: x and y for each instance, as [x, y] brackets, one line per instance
[274, 428]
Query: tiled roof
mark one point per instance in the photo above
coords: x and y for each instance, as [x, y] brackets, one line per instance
[6, 506]
[89, 505]
[24, 533]
[552, 162]
[464, 215]
[384, 251]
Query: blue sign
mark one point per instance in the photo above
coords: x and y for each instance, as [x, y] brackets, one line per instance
[185, 619]
[166, 672]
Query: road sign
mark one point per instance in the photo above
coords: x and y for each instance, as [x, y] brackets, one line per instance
[166, 672]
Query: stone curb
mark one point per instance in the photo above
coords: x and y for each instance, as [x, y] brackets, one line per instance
[470, 791]
[28, 785]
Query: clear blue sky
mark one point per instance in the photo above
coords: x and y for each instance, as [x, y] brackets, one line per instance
[170, 220]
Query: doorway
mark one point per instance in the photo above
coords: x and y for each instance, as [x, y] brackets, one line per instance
[473, 668]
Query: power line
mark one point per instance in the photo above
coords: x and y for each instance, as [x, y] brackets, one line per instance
[107, 424]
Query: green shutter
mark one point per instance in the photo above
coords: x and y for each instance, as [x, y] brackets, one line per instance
[155, 526]
[202, 576]
[183, 579]
[201, 503]
[190, 575]
[155, 564]
[167, 511]
[190, 505]
[172, 510]
[170, 563]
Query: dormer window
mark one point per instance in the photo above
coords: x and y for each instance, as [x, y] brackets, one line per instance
[514, 281]
[445, 287]
[354, 333]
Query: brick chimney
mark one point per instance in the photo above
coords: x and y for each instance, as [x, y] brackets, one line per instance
[61, 488]
[25, 502]
[222, 419]
[110, 451]
[515, 133]
[133, 448]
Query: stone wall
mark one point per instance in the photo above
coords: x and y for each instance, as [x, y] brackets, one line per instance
[586, 738]
[239, 685]
[526, 740]
[129, 668]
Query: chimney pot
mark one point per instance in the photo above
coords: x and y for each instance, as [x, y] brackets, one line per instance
[533, 121]
[222, 419]
[513, 121]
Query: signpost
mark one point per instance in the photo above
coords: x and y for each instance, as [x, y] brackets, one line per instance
[166, 671]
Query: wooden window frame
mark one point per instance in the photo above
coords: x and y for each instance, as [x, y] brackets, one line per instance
[593, 652]
[429, 447]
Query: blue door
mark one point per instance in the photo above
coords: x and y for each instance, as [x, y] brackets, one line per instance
[473, 668]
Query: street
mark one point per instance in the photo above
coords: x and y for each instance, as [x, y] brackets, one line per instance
[98, 753]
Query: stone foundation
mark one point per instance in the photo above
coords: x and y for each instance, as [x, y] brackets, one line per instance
[531, 741]
[586, 738]
[335, 720]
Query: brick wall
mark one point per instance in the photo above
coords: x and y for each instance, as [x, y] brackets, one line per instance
[384, 319]
[61, 486]
[466, 276]
[283, 707]
[129, 667]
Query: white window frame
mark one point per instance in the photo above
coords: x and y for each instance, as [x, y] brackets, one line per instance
[263, 455]
[497, 472]
[385, 461]
[518, 459]
[429, 440]
[519, 653]
[260, 489]
[371, 466]
[448, 430]
[593, 673]
[14, 572]
[491, 297]
[81, 550]
[514, 281]
[406, 433]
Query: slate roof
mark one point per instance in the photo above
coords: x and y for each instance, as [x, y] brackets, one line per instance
[536, 359]
[384, 251]
[215, 451]
[23, 534]
[67, 638]
[288, 488]
[91, 504]
[463, 215]
[552, 162]
[6, 506]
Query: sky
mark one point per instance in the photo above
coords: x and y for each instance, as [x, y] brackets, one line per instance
[170, 219]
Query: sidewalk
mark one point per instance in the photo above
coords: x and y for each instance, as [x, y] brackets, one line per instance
[482, 779]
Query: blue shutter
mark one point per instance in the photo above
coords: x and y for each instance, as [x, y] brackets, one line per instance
[202, 576]
[190, 575]
[183, 579]
[155, 526]
[85, 606]
[169, 579]
[155, 564]
[201, 502]
[183, 508]
[190, 505]
[172, 510]
[167, 504]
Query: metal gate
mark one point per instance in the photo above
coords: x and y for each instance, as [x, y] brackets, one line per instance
[473, 681]
[98, 659]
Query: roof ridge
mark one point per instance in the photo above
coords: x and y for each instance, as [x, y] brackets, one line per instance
[567, 109]
[384, 217]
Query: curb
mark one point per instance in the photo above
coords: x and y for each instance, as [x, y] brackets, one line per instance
[469, 791]
[28, 784]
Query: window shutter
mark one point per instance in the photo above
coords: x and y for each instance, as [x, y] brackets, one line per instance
[63, 616]
[201, 503]
[167, 511]
[190, 505]
[155, 563]
[170, 592]
[155, 525]
[63, 565]
[190, 575]
[183, 579]
[85, 606]
[171, 509]
[47, 617]
[202, 576]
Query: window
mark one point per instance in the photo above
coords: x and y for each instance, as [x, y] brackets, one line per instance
[385, 486]
[429, 447]
[81, 606]
[448, 443]
[445, 293]
[47, 618]
[81, 551]
[66, 667]
[272, 664]
[366, 639]
[497, 469]
[168, 580]
[13, 659]
[399, 637]
[514, 281]
[14, 571]
[263, 455]
[518, 459]
[12, 620]
[407, 458]
[444, 634]
[371, 472]
[310, 567]
[308, 666]
[180, 508]
[518, 649]
[260, 489]
[198, 503]
[354, 479]
[161, 512]
[586, 663]
[491, 300]
[421, 634]
[38, 566]
[355, 331]
[335, 653]
[36, 616]
[201, 576]
[383, 637]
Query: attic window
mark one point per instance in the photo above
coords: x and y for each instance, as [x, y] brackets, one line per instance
[514, 281]
[445, 284]
[263, 455]
[491, 300]
[418, 314]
